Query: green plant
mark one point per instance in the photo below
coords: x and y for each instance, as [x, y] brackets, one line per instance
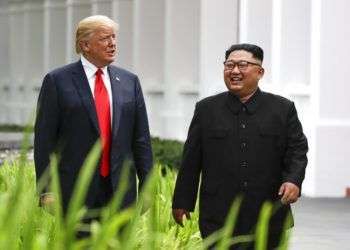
[167, 152]
[147, 225]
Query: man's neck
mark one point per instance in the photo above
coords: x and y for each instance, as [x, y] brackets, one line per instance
[247, 97]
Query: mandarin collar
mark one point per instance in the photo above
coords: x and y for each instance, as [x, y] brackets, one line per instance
[251, 104]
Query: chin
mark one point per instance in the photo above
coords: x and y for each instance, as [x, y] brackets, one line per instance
[109, 60]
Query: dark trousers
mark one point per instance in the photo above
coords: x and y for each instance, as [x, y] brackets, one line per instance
[104, 194]
[103, 197]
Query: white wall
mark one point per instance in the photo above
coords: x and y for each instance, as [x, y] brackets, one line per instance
[332, 133]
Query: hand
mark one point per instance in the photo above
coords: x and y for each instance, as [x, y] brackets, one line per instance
[47, 200]
[290, 193]
[178, 214]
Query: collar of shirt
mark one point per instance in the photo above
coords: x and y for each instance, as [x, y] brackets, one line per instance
[90, 69]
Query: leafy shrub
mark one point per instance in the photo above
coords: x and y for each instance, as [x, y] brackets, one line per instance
[167, 152]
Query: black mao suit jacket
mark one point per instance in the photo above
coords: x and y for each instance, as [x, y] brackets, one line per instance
[240, 149]
[67, 124]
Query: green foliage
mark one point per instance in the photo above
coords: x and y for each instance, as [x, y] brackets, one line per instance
[15, 128]
[167, 152]
[147, 225]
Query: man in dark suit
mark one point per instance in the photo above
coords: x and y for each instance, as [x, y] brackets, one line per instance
[242, 142]
[90, 100]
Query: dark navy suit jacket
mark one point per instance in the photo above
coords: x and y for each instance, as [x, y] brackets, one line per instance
[66, 124]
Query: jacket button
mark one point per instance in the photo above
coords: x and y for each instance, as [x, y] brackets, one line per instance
[244, 164]
[243, 125]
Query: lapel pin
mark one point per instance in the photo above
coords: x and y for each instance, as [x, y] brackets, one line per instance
[117, 78]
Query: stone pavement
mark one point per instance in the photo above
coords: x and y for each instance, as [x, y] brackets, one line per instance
[12, 140]
[321, 224]
[9, 145]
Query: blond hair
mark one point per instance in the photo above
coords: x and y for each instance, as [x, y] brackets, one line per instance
[88, 26]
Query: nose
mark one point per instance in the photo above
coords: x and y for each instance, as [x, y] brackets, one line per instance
[112, 42]
[236, 69]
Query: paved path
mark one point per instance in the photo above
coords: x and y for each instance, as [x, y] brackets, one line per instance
[12, 140]
[321, 224]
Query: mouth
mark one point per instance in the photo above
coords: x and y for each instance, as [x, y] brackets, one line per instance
[236, 80]
[111, 52]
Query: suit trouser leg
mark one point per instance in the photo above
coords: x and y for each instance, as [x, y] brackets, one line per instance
[104, 195]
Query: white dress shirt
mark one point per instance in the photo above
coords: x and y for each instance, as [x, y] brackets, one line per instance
[90, 72]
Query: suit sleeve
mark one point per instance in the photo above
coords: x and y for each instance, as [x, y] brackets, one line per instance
[187, 181]
[46, 125]
[142, 149]
[295, 159]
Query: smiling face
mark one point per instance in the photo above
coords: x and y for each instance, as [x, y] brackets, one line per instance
[243, 82]
[100, 47]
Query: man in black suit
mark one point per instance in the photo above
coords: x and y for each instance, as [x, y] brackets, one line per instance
[242, 142]
[89, 100]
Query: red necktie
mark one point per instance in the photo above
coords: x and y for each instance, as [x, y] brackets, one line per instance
[104, 121]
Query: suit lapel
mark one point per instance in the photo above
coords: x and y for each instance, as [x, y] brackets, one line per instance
[82, 85]
[117, 99]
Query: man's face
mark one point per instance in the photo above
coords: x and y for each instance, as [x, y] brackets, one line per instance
[242, 79]
[100, 49]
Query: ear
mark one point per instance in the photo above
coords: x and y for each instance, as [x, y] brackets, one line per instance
[84, 45]
[261, 72]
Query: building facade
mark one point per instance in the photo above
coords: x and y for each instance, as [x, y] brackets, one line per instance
[177, 49]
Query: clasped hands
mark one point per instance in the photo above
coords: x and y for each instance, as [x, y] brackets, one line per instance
[288, 191]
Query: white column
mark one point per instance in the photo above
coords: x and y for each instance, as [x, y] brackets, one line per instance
[102, 7]
[291, 59]
[256, 26]
[33, 38]
[123, 14]
[55, 33]
[17, 64]
[181, 71]
[4, 62]
[332, 171]
[76, 11]
[218, 31]
[148, 36]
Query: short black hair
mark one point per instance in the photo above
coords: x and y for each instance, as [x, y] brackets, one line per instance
[257, 52]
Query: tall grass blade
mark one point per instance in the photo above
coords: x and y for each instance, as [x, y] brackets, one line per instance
[231, 219]
[262, 228]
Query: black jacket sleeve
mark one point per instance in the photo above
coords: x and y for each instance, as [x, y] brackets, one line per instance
[187, 182]
[295, 159]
